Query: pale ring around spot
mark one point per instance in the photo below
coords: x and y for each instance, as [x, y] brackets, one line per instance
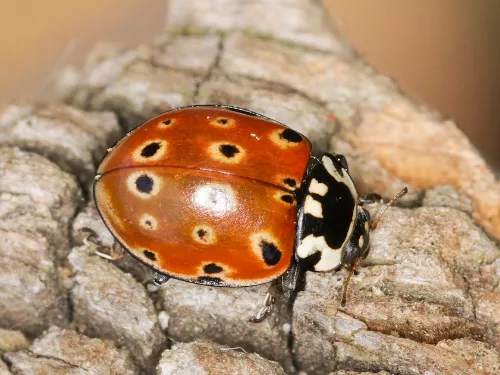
[216, 154]
[159, 154]
[281, 142]
[204, 234]
[132, 187]
[148, 222]
[223, 122]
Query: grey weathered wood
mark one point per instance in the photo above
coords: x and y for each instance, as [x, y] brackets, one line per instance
[67, 352]
[110, 304]
[205, 357]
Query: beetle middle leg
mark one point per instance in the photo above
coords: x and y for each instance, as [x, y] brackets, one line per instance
[286, 287]
[266, 308]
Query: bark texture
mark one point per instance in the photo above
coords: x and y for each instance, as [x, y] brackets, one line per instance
[204, 357]
[427, 299]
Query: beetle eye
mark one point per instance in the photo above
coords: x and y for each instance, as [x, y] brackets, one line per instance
[342, 161]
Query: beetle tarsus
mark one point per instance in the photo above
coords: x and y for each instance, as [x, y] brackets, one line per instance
[267, 306]
[116, 251]
[92, 239]
[159, 279]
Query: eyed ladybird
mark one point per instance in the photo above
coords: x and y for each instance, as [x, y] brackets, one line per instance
[222, 196]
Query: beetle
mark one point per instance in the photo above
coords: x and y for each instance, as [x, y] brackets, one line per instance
[221, 196]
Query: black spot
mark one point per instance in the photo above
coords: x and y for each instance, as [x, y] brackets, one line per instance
[222, 121]
[229, 150]
[287, 198]
[208, 280]
[148, 223]
[150, 255]
[150, 149]
[291, 136]
[290, 182]
[167, 122]
[201, 233]
[144, 184]
[310, 261]
[212, 268]
[270, 253]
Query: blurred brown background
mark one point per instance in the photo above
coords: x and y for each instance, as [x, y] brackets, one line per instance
[445, 53]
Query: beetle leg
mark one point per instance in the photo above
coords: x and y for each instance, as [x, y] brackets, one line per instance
[267, 306]
[92, 238]
[159, 278]
[359, 243]
[289, 279]
[114, 253]
[353, 268]
[288, 285]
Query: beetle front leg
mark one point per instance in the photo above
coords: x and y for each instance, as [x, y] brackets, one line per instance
[359, 244]
[355, 265]
[357, 247]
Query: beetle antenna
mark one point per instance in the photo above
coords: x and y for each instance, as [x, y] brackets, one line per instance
[376, 221]
[353, 268]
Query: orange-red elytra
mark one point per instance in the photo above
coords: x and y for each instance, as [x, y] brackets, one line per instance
[197, 194]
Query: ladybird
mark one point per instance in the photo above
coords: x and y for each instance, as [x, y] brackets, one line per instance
[222, 196]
